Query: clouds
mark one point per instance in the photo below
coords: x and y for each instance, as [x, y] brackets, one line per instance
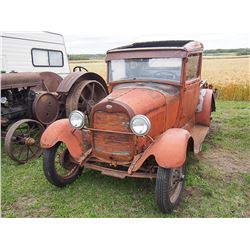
[107, 24]
[94, 26]
[92, 44]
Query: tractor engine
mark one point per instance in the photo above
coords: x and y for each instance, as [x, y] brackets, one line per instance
[15, 104]
[29, 95]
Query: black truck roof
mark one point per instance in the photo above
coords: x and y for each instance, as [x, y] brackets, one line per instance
[168, 43]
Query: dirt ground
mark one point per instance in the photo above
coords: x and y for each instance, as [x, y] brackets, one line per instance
[226, 162]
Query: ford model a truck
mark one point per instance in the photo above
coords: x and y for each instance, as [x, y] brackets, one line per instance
[158, 110]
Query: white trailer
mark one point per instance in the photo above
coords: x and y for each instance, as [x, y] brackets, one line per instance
[33, 52]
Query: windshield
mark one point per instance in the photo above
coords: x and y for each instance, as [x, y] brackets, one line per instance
[168, 69]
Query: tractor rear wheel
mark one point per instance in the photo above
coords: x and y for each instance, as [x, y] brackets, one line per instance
[84, 95]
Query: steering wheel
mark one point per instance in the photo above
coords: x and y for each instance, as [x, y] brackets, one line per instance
[79, 68]
[166, 75]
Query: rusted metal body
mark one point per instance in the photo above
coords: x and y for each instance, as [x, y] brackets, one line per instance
[43, 98]
[179, 113]
[76, 77]
[40, 81]
[21, 90]
[76, 141]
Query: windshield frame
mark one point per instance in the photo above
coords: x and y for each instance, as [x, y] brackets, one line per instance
[156, 80]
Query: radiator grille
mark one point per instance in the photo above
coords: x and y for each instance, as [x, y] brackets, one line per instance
[112, 146]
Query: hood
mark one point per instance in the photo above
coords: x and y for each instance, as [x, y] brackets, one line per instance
[140, 100]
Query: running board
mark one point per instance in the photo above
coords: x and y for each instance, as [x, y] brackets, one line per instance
[198, 132]
[118, 173]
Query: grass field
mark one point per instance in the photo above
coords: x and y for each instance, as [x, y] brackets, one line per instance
[230, 75]
[218, 183]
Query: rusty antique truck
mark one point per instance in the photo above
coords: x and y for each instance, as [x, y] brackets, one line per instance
[157, 111]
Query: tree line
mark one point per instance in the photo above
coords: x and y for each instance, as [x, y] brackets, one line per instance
[238, 52]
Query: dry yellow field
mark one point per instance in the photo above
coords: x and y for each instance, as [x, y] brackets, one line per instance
[97, 66]
[230, 75]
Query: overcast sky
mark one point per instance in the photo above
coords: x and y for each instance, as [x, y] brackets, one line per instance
[94, 26]
[81, 43]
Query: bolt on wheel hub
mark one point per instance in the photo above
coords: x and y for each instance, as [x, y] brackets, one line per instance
[30, 141]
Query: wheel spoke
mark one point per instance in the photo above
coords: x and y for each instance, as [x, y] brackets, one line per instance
[36, 134]
[17, 143]
[28, 130]
[89, 87]
[23, 127]
[27, 155]
[36, 146]
[84, 100]
[21, 130]
[20, 153]
[31, 149]
[81, 106]
[92, 92]
[17, 136]
[88, 91]
[33, 128]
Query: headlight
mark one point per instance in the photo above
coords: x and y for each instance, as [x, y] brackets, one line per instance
[140, 125]
[77, 119]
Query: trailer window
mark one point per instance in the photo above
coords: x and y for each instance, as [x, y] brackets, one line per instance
[47, 58]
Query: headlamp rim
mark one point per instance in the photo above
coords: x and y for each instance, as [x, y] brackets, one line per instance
[147, 121]
[81, 114]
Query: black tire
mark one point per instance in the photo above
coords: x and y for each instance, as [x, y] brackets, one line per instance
[51, 173]
[166, 201]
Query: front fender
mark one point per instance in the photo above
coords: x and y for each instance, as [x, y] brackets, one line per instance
[169, 149]
[61, 130]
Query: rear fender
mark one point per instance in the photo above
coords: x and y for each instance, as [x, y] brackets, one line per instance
[71, 79]
[169, 149]
[205, 107]
[76, 141]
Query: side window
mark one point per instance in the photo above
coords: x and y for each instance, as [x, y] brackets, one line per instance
[40, 57]
[47, 58]
[55, 58]
[192, 69]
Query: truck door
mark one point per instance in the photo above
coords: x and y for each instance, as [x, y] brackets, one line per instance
[191, 88]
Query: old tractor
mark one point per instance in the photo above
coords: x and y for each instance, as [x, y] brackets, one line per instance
[31, 101]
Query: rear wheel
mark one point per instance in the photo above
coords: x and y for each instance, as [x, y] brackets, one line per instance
[169, 187]
[59, 168]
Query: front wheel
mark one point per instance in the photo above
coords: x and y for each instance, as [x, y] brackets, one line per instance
[58, 167]
[169, 187]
